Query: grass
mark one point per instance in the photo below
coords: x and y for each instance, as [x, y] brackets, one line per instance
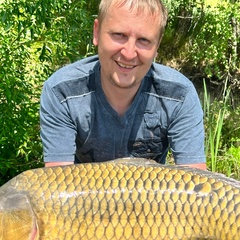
[222, 150]
[214, 125]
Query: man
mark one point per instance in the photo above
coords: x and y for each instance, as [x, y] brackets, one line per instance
[120, 103]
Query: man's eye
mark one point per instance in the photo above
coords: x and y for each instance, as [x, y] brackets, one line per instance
[144, 41]
[118, 35]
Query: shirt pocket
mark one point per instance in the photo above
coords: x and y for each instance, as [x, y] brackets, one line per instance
[151, 140]
[149, 148]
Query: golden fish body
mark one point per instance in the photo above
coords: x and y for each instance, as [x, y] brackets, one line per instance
[117, 200]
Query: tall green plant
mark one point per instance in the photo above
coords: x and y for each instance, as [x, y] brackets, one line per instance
[215, 113]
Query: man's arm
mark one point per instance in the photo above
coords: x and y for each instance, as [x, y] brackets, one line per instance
[186, 132]
[58, 132]
[53, 164]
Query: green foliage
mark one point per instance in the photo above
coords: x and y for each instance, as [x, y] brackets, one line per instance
[215, 45]
[36, 37]
[205, 40]
[222, 134]
[184, 19]
[231, 128]
[235, 153]
[229, 162]
[214, 117]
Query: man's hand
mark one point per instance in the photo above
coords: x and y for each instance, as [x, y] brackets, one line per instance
[202, 166]
[53, 164]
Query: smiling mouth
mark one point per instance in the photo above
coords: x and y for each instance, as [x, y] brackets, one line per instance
[125, 66]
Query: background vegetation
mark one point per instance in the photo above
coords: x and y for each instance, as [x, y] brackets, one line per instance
[39, 36]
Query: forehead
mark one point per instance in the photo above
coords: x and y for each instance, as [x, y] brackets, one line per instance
[137, 13]
[150, 7]
[139, 7]
[130, 21]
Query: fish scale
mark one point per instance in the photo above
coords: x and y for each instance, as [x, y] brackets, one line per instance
[124, 199]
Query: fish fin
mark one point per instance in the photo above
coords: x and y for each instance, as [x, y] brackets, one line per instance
[18, 220]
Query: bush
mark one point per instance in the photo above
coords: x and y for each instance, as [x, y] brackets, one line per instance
[203, 41]
[215, 46]
[37, 37]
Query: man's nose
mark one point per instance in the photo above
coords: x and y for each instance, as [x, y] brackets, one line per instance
[129, 50]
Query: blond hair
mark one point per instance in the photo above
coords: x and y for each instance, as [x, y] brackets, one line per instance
[155, 7]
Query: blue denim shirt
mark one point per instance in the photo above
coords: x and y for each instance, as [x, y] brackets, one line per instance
[78, 124]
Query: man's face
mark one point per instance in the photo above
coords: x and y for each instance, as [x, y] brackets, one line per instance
[127, 43]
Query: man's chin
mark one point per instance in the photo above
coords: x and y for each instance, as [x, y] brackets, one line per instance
[124, 84]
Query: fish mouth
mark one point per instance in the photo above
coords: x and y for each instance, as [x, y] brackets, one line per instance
[17, 207]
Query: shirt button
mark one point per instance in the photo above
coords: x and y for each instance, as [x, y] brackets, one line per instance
[149, 150]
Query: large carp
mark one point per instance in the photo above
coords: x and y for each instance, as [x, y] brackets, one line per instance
[117, 200]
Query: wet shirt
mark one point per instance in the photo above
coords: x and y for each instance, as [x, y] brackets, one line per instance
[78, 124]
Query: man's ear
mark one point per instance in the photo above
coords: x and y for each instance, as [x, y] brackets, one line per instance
[156, 54]
[95, 32]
